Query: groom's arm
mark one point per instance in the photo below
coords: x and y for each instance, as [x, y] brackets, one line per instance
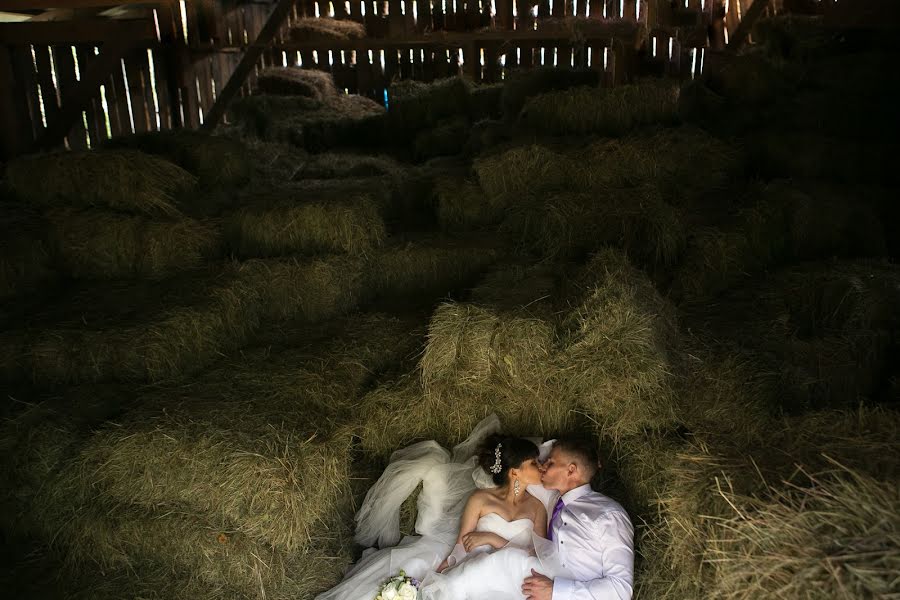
[615, 539]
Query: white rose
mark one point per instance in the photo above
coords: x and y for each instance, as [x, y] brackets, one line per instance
[407, 592]
[389, 593]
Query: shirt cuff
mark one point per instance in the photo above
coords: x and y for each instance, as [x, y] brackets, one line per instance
[563, 588]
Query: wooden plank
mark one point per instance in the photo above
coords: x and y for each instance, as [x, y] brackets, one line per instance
[279, 14]
[742, 32]
[78, 31]
[26, 5]
[424, 22]
[15, 124]
[44, 80]
[65, 81]
[131, 79]
[862, 14]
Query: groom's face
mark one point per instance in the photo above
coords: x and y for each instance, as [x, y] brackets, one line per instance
[556, 471]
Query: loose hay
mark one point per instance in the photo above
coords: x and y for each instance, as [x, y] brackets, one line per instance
[105, 245]
[335, 166]
[124, 180]
[293, 81]
[602, 111]
[447, 137]
[270, 226]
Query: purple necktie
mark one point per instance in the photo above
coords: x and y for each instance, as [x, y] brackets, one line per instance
[556, 510]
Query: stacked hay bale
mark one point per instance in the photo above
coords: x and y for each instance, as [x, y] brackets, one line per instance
[239, 479]
[118, 214]
[296, 221]
[602, 111]
[780, 221]
[519, 350]
[317, 119]
[627, 192]
[25, 263]
[150, 331]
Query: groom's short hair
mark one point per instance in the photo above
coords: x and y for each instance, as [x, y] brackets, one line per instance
[583, 451]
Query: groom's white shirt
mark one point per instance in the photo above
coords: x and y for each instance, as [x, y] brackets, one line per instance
[594, 539]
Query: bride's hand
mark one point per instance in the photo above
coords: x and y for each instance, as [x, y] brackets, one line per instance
[443, 566]
[475, 539]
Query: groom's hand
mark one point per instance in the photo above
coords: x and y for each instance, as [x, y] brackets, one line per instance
[537, 587]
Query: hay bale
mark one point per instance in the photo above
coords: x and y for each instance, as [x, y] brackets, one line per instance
[618, 349]
[270, 225]
[321, 30]
[138, 331]
[522, 84]
[447, 137]
[751, 79]
[307, 290]
[428, 267]
[341, 120]
[293, 81]
[793, 36]
[484, 101]
[336, 166]
[462, 205]
[826, 329]
[274, 161]
[216, 161]
[602, 111]
[24, 252]
[414, 106]
[105, 245]
[816, 156]
[124, 180]
[572, 225]
[666, 158]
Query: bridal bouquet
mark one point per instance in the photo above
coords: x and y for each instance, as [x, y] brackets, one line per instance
[399, 587]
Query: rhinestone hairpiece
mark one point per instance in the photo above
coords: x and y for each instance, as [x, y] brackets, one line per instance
[497, 467]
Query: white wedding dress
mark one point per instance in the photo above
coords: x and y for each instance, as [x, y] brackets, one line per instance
[447, 481]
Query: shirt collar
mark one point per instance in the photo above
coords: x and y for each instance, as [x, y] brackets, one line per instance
[575, 494]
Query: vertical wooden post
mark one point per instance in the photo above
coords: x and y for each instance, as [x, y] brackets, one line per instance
[15, 135]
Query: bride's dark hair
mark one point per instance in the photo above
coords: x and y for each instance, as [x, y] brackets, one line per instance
[513, 452]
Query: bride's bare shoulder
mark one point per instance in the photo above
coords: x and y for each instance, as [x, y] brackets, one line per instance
[536, 505]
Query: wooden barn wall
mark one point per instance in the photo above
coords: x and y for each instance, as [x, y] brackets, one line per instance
[173, 82]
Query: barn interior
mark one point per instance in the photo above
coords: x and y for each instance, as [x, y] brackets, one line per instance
[250, 248]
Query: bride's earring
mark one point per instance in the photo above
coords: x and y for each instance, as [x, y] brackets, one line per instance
[516, 488]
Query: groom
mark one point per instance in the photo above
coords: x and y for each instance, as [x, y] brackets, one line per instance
[592, 533]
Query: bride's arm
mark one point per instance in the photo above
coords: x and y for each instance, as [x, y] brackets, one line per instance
[540, 520]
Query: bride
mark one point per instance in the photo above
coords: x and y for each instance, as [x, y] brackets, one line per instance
[478, 525]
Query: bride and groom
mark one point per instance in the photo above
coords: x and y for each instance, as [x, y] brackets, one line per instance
[501, 518]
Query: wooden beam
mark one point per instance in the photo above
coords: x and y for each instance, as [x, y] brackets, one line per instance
[74, 100]
[251, 56]
[15, 133]
[76, 32]
[19, 5]
[742, 32]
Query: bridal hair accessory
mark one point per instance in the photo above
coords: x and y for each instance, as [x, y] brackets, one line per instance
[399, 587]
[497, 467]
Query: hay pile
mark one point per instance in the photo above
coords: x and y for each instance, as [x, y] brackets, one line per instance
[424, 267]
[236, 481]
[523, 84]
[154, 331]
[330, 165]
[279, 223]
[337, 121]
[124, 180]
[24, 252]
[780, 221]
[447, 137]
[620, 339]
[826, 328]
[718, 496]
[602, 111]
[462, 205]
[516, 349]
[293, 81]
[216, 161]
[92, 244]
[414, 106]
[317, 30]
